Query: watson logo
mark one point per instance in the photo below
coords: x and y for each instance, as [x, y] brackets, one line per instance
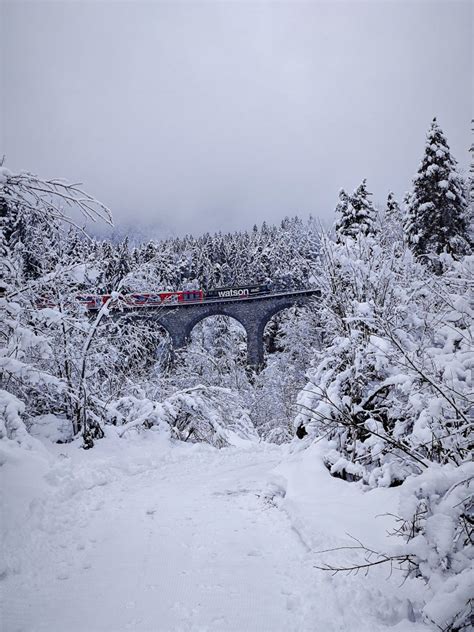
[225, 293]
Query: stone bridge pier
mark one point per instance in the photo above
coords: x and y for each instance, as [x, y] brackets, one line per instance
[252, 313]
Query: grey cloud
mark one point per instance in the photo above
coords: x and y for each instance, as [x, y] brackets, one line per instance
[217, 115]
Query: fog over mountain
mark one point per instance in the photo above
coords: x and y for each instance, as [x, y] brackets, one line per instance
[190, 117]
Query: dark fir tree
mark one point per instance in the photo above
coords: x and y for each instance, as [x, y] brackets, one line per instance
[436, 220]
[356, 215]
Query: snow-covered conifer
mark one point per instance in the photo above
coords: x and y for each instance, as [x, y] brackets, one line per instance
[437, 213]
[356, 215]
[392, 222]
[393, 212]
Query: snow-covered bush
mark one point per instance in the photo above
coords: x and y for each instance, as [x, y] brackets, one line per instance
[212, 415]
[392, 391]
[391, 388]
[12, 425]
[437, 517]
[38, 290]
[347, 397]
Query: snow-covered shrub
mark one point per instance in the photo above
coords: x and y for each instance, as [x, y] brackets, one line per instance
[437, 514]
[131, 412]
[348, 398]
[212, 415]
[12, 425]
[41, 316]
[392, 391]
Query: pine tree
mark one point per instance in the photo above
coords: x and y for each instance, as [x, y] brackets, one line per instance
[392, 211]
[124, 264]
[342, 215]
[437, 210]
[392, 221]
[356, 213]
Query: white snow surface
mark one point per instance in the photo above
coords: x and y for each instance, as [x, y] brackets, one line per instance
[146, 534]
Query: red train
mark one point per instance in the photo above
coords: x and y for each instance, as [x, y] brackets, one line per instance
[147, 299]
[94, 301]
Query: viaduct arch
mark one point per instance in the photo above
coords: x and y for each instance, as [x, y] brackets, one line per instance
[252, 313]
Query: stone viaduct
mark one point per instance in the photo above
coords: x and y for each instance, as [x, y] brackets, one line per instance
[252, 313]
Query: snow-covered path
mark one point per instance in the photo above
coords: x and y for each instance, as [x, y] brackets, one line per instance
[139, 536]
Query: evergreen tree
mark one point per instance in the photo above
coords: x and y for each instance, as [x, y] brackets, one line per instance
[392, 221]
[107, 263]
[149, 251]
[341, 214]
[123, 262]
[437, 210]
[356, 215]
[392, 211]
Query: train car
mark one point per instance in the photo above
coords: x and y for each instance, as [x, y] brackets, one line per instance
[243, 291]
[148, 299]
[143, 300]
[154, 300]
[95, 301]
[184, 296]
[91, 301]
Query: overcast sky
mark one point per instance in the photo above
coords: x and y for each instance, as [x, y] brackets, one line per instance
[216, 115]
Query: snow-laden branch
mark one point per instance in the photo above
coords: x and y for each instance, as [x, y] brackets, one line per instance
[50, 196]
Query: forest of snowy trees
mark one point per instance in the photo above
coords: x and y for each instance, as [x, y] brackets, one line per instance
[380, 365]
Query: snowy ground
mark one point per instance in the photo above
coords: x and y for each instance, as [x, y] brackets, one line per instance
[142, 535]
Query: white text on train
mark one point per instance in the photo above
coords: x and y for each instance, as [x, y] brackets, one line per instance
[233, 293]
